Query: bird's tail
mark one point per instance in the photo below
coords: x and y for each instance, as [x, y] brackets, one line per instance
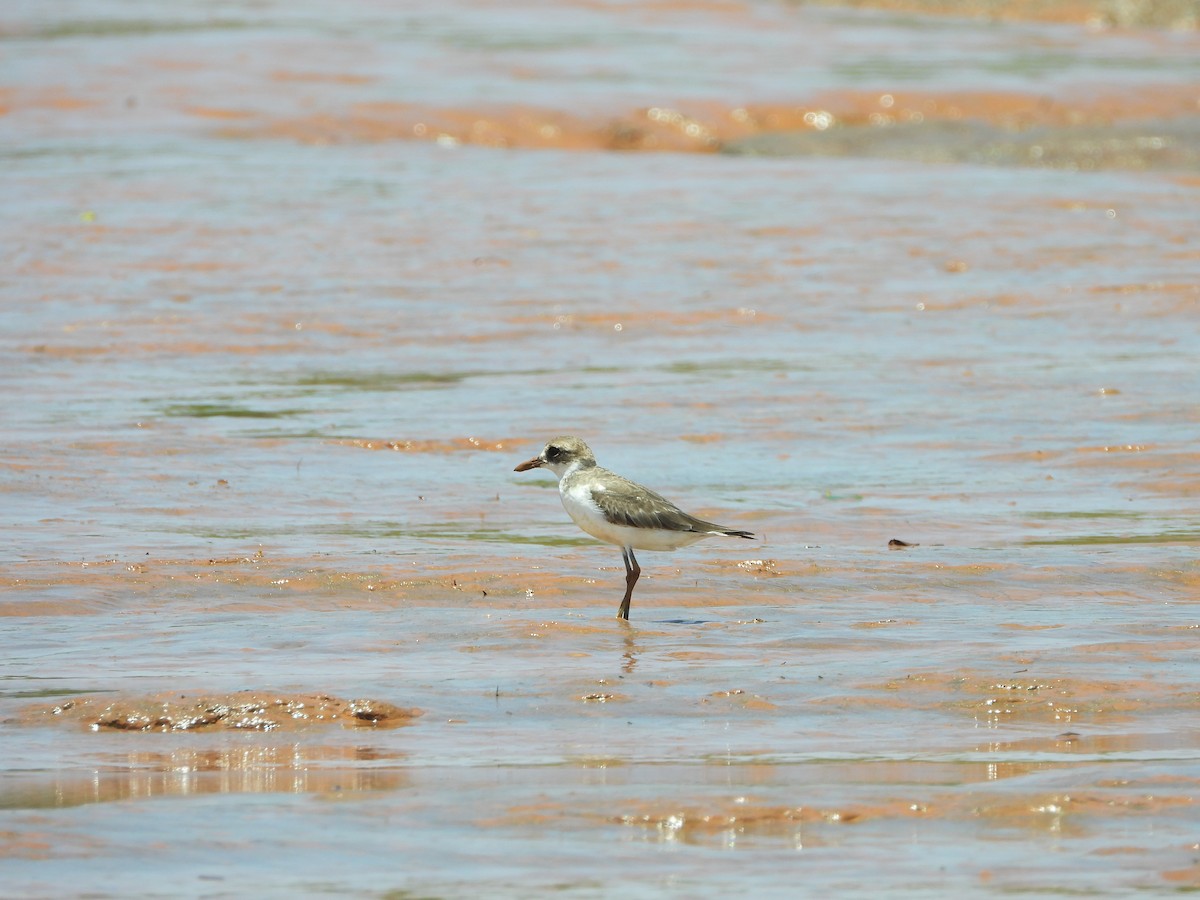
[748, 535]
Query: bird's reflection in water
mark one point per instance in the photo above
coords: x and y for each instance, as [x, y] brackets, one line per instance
[630, 656]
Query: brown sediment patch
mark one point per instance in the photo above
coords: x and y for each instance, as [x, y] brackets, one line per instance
[213, 112]
[1010, 110]
[1171, 473]
[515, 590]
[884, 623]
[974, 301]
[1189, 290]
[971, 569]
[177, 334]
[702, 438]
[1085, 741]
[1156, 651]
[1180, 16]
[1140, 456]
[49, 844]
[546, 628]
[1025, 456]
[707, 126]
[705, 820]
[1121, 448]
[512, 126]
[1184, 878]
[688, 821]
[759, 568]
[1168, 472]
[1076, 811]
[291, 768]
[255, 582]
[54, 97]
[165, 348]
[175, 265]
[240, 711]
[67, 352]
[1055, 701]
[430, 445]
[739, 698]
[702, 822]
[621, 321]
[289, 75]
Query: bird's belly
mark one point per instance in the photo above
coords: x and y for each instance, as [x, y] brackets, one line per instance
[589, 517]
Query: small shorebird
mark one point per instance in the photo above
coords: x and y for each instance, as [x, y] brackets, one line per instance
[617, 510]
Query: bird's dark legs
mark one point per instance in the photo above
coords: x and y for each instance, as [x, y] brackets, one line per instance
[632, 571]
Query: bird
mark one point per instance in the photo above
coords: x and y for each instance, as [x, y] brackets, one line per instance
[618, 511]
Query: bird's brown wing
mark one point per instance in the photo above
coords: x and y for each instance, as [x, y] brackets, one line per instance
[628, 503]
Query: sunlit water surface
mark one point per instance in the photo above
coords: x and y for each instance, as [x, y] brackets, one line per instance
[262, 399]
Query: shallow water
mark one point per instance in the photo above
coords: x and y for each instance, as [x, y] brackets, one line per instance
[268, 357]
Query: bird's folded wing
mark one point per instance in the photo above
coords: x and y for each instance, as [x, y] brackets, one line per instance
[634, 506]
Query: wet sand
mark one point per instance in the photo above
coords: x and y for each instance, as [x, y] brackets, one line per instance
[281, 620]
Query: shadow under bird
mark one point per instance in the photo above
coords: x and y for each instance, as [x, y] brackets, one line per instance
[622, 512]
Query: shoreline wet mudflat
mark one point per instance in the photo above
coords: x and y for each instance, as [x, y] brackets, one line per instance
[269, 352]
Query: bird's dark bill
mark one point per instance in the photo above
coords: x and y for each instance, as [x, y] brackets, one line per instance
[529, 464]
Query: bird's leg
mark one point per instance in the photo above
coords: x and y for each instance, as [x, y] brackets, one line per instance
[632, 571]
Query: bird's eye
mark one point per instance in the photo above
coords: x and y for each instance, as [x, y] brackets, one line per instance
[553, 453]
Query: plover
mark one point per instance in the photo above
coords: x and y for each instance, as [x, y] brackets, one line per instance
[617, 510]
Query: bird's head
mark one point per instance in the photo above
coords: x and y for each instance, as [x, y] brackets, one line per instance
[561, 455]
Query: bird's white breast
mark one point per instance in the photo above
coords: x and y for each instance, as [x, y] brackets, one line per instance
[577, 500]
